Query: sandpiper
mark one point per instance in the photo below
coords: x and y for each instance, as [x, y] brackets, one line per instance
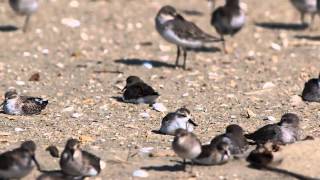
[24, 8]
[264, 156]
[19, 162]
[79, 163]
[181, 119]
[136, 91]
[184, 34]
[15, 104]
[311, 91]
[287, 131]
[213, 155]
[235, 139]
[306, 7]
[186, 145]
[228, 19]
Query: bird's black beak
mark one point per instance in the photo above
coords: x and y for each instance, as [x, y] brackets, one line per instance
[192, 122]
[124, 88]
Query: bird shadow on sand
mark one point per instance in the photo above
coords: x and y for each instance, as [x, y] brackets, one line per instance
[283, 26]
[170, 168]
[141, 62]
[8, 28]
[57, 174]
[206, 49]
[311, 38]
[284, 172]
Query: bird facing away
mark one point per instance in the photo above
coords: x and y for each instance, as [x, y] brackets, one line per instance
[24, 8]
[213, 155]
[19, 162]
[184, 34]
[264, 156]
[287, 131]
[181, 119]
[311, 91]
[228, 19]
[15, 104]
[138, 92]
[186, 145]
[306, 7]
[234, 137]
[79, 163]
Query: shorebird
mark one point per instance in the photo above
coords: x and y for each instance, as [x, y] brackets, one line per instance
[228, 19]
[287, 131]
[24, 8]
[234, 138]
[175, 29]
[186, 145]
[306, 7]
[181, 119]
[76, 162]
[213, 155]
[136, 91]
[311, 91]
[19, 162]
[15, 104]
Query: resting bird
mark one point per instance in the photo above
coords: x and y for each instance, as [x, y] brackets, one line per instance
[19, 162]
[181, 119]
[287, 131]
[76, 162]
[136, 91]
[311, 91]
[184, 34]
[15, 104]
[234, 138]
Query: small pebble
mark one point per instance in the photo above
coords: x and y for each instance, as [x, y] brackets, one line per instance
[140, 173]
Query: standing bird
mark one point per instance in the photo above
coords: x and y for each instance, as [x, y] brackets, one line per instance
[186, 145]
[235, 139]
[136, 91]
[79, 163]
[287, 131]
[311, 91]
[19, 162]
[181, 119]
[24, 8]
[184, 34]
[228, 19]
[15, 104]
[306, 7]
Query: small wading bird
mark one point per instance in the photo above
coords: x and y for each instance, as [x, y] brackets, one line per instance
[19, 162]
[184, 34]
[24, 8]
[306, 7]
[186, 145]
[15, 104]
[311, 91]
[136, 91]
[287, 131]
[228, 19]
[181, 119]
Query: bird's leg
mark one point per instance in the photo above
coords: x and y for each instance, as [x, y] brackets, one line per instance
[184, 165]
[191, 171]
[26, 23]
[184, 59]
[224, 45]
[178, 55]
[312, 21]
[302, 18]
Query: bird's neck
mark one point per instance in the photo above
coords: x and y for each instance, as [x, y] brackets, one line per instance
[232, 3]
